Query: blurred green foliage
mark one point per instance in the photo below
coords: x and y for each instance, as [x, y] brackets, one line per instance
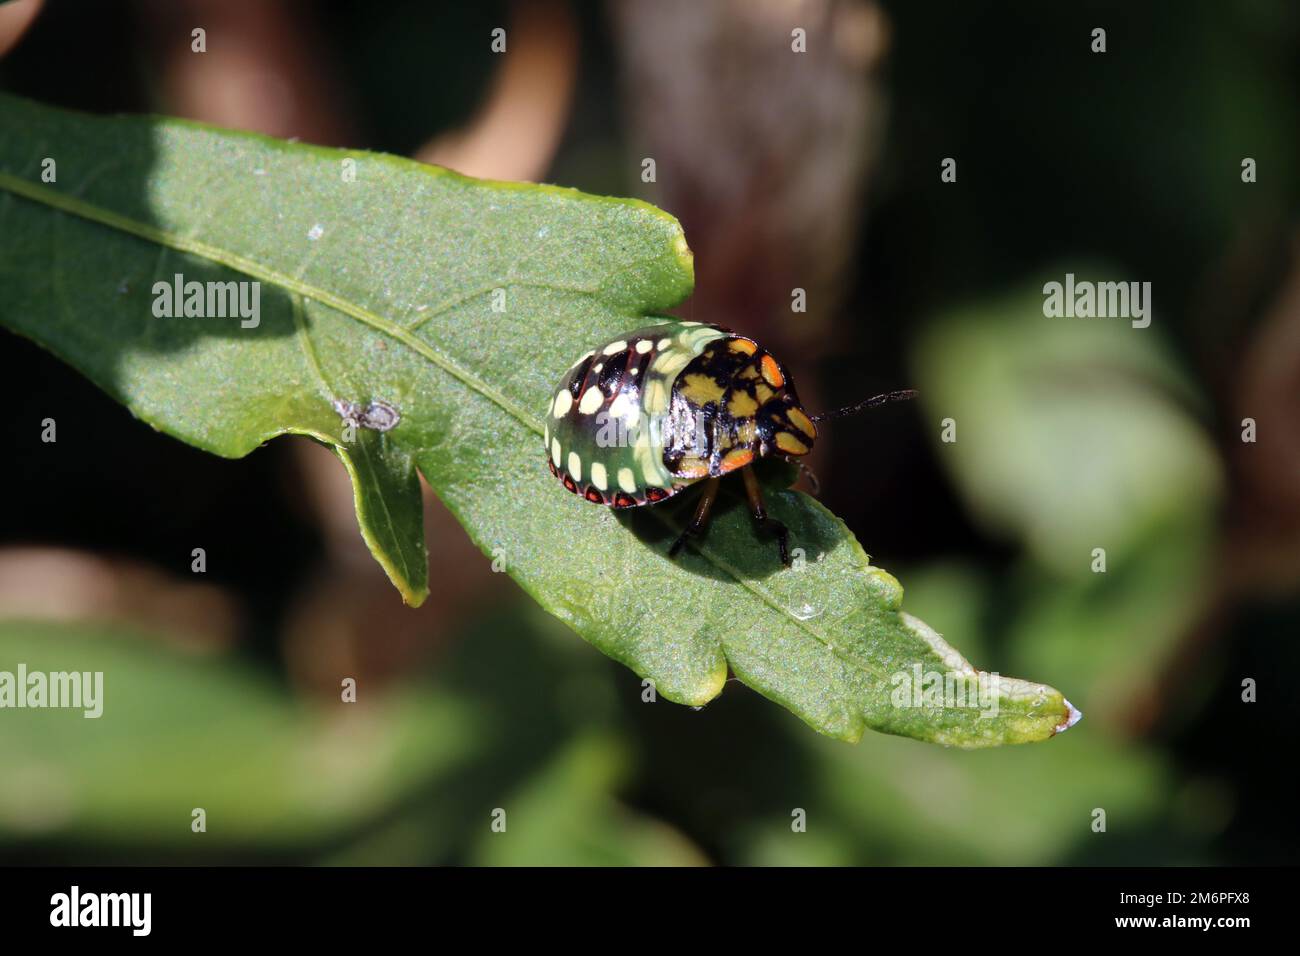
[1077, 440]
[414, 775]
[411, 775]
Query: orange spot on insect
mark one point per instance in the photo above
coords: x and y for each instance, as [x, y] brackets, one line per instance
[790, 445]
[743, 346]
[737, 458]
[692, 468]
[772, 372]
[802, 422]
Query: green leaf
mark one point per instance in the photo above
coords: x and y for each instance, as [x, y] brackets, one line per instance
[271, 772]
[565, 817]
[888, 804]
[408, 772]
[382, 289]
[1075, 435]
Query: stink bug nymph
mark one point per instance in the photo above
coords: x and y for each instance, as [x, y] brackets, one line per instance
[655, 411]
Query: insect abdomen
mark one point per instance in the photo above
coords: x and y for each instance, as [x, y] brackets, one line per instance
[605, 427]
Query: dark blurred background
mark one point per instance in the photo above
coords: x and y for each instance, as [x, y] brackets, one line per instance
[817, 171]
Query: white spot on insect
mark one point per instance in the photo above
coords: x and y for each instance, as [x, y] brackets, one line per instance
[598, 476]
[635, 370]
[668, 366]
[555, 452]
[575, 466]
[621, 406]
[592, 399]
[595, 369]
[613, 348]
[563, 402]
[315, 232]
[627, 480]
[645, 345]
[656, 398]
[663, 344]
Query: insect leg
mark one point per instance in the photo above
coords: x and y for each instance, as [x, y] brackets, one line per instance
[814, 485]
[700, 518]
[756, 507]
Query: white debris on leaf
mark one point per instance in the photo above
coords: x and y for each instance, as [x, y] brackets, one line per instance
[1074, 715]
[805, 612]
[378, 415]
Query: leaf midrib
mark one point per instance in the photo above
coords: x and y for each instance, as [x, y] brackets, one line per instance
[104, 217]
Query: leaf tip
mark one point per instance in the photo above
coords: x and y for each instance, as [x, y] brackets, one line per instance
[1072, 716]
[413, 598]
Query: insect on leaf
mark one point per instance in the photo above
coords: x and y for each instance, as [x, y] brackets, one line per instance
[456, 304]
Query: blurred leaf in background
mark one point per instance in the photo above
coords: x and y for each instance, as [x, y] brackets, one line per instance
[1081, 440]
[409, 774]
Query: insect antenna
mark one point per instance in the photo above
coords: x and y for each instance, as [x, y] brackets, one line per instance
[901, 395]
